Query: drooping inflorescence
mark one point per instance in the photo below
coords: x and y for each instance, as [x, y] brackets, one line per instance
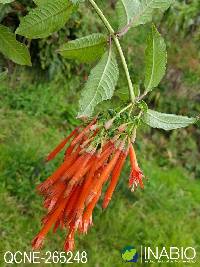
[94, 158]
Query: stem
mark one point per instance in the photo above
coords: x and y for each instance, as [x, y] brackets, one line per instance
[140, 114]
[109, 123]
[142, 96]
[130, 85]
[124, 109]
[118, 46]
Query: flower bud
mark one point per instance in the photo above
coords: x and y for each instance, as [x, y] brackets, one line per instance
[122, 128]
[133, 137]
[108, 124]
[94, 127]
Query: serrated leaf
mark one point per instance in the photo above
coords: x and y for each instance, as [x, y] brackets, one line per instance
[137, 12]
[3, 75]
[45, 19]
[41, 2]
[166, 121]
[85, 49]
[155, 59]
[6, 1]
[100, 85]
[126, 11]
[13, 49]
[146, 8]
[77, 1]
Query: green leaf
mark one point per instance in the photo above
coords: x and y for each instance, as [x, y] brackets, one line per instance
[86, 49]
[13, 49]
[3, 75]
[137, 12]
[136, 88]
[4, 10]
[6, 1]
[146, 8]
[155, 59]
[123, 94]
[144, 12]
[77, 1]
[41, 2]
[45, 19]
[166, 121]
[125, 11]
[100, 85]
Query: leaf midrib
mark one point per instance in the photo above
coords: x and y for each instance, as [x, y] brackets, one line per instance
[108, 60]
[127, 17]
[83, 47]
[153, 64]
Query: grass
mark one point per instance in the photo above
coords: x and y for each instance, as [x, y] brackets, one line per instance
[32, 122]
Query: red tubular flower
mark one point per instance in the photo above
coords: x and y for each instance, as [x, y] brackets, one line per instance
[104, 176]
[114, 179]
[136, 175]
[87, 216]
[73, 190]
[38, 240]
[60, 146]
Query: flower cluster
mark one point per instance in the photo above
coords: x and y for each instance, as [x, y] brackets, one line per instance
[92, 159]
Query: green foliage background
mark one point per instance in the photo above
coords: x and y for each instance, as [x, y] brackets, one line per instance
[38, 108]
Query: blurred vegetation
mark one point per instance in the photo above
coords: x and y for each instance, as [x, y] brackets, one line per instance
[38, 107]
